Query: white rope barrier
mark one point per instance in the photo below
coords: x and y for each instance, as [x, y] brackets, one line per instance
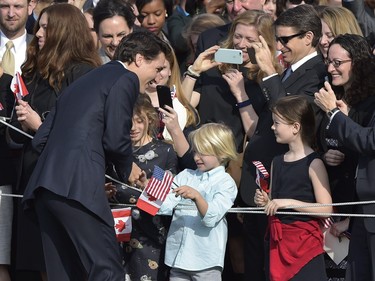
[246, 210]
[260, 210]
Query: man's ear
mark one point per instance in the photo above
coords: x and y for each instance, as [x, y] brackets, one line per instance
[309, 37]
[139, 60]
[31, 6]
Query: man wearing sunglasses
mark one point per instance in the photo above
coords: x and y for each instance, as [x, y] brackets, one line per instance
[298, 31]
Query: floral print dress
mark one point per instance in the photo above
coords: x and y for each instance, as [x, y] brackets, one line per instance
[144, 253]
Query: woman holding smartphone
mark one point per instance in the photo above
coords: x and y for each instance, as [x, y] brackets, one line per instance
[176, 122]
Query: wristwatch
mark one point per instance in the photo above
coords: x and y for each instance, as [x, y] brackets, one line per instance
[331, 112]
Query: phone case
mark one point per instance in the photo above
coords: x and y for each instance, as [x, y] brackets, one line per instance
[164, 96]
[229, 56]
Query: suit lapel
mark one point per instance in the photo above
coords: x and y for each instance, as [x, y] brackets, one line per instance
[300, 71]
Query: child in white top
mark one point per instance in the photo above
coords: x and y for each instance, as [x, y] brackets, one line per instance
[198, 233]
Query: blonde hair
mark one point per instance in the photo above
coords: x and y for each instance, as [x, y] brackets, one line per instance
[340, 21]
[214, 139]
[175, 80]
[263, 23]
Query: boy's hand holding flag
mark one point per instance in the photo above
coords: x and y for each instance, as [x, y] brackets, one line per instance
[156, 191]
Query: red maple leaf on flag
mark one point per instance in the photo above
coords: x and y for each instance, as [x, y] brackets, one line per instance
[120, 225]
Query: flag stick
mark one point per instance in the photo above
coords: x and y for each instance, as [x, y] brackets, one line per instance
[2, 120]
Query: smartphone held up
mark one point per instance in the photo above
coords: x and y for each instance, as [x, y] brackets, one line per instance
[164, 96]
[232, 56]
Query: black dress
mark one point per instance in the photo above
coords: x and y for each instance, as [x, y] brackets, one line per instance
[291, 180]
[144, 254]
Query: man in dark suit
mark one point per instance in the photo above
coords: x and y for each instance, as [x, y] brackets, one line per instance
[89, 126]
[361, 261]
[298, 31]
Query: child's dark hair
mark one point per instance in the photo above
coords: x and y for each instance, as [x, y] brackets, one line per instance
[144, 108]
[294, 109]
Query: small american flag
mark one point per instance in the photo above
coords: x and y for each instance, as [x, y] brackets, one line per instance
[262, 176]
[160, 184]
[327, 222]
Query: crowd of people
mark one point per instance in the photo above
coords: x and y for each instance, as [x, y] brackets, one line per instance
[290, 129]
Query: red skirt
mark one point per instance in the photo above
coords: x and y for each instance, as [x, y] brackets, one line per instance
[292, 246]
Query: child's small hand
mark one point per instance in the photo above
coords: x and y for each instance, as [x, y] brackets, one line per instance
[186, 192]
[275, 204]
[261, 198]
[339, 227]
[110, 189]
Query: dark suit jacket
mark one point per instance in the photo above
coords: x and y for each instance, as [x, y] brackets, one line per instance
[90, 124]
[42, 98]
[362, 140]
[30, 23]
[306, 80]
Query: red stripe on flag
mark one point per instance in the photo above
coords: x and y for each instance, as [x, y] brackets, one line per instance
[261, 168]
[160, 184]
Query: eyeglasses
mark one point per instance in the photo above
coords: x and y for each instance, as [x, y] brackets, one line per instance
[230, 2]
[335, 62]
[285, 39]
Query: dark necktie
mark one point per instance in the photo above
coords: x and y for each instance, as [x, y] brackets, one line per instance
[287, 73]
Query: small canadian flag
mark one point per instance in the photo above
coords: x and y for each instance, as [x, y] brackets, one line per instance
[123, 224]
[18, 87]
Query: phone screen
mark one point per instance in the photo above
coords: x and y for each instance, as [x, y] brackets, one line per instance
[164, 96]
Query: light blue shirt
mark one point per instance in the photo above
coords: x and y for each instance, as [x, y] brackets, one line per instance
[195, 242]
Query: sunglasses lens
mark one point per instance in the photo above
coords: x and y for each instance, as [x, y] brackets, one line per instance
[282, 40]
